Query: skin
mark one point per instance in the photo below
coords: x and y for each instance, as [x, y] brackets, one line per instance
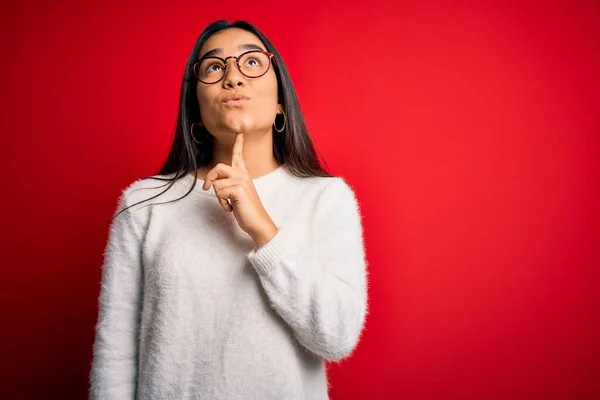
[243, 144]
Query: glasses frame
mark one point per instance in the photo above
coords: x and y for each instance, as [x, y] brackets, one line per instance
[237, 63]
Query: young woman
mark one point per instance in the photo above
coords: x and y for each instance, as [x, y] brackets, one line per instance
[250, 272]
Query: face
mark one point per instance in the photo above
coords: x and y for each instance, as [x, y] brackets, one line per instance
[224, 117]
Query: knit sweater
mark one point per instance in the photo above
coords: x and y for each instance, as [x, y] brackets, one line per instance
[190, 308]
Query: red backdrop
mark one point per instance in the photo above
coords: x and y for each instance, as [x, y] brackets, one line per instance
[468, 130]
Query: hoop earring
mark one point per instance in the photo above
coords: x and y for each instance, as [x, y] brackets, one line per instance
[194, 137]
[284, 122]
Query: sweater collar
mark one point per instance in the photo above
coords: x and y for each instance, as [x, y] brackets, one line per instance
[264, 184]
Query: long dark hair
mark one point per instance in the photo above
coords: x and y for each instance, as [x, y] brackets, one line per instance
[293, 146]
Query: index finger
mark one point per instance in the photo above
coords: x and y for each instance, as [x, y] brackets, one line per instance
[237, 160]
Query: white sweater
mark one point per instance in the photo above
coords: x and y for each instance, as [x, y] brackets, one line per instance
[189, 308]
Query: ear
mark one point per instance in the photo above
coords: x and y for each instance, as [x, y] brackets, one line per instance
[280, 109]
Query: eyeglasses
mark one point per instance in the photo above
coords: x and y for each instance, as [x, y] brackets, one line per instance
[252, 64]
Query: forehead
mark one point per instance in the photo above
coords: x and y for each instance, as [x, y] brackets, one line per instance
[229, 41]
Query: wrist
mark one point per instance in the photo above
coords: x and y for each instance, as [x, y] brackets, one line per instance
[265, 235]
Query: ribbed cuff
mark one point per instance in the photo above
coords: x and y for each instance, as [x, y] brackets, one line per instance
[269, 255]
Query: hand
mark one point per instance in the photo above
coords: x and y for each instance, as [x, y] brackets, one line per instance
[236, 192]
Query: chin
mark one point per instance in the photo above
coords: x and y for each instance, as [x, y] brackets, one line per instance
[241, 124]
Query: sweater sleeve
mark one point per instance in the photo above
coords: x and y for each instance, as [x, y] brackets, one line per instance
[320, 290]
[115, 354]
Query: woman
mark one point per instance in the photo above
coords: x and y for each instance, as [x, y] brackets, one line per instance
[250, 272]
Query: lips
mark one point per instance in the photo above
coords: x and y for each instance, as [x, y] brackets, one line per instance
[235, 101]
[235, 98]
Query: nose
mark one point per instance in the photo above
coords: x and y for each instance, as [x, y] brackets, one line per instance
[233, 77]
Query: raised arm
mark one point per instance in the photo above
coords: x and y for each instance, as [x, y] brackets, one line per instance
[320, 291]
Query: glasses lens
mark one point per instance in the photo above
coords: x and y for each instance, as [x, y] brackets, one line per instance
[209, 70]
[254, 64]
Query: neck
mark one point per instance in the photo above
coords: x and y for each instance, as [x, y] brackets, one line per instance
[257, 154]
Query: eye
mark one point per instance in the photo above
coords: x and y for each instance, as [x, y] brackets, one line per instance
[213, 67]
[253, 62]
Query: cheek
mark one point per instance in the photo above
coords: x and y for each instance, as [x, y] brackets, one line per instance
[267, 92]
[204, 101]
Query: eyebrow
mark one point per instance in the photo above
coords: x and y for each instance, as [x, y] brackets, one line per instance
[241, 47]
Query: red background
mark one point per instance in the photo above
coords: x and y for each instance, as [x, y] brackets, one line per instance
[468, 130]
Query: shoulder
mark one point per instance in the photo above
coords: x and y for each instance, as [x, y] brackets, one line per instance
[335, 204]
[335, 188]
[138, 196]
[339, 186]
[339, 194]
[142, 189]
[328, 192]
[319, 184]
